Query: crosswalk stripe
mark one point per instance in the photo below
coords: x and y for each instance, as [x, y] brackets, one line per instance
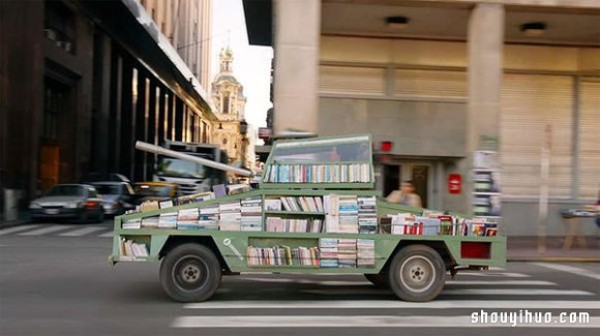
[570, 269]
[18, 229]
[343, 321]
[394, 304]
[501, 282]
[82, 231]
[496, 274]
[107, 234]
[516, 291]
[45, 230]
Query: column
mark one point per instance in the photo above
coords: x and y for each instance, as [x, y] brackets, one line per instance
[297, 33]
[485, 51]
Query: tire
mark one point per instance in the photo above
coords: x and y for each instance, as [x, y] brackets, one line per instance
[83, 218]
[417, 274]
[379, 280]
[190, 273]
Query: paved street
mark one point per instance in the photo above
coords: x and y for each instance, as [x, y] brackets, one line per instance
[56, 280]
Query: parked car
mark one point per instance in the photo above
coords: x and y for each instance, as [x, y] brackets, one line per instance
[155, 191]
[117, 197]
[75, 201]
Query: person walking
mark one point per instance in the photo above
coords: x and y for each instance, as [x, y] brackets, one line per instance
[406, 195]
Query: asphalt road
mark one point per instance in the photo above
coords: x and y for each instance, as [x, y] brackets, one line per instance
[56, 280]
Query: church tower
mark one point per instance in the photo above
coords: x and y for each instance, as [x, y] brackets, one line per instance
[228, 98]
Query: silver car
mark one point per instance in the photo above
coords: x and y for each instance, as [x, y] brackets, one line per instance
[73, 201]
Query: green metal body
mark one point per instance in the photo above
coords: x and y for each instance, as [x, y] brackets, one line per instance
[232, 245]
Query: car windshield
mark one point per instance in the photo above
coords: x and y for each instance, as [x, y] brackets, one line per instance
[107, 189]
[152, 190]
[66, 190]
[180, 168]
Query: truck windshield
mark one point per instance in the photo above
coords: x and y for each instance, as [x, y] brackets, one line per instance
[180, 168]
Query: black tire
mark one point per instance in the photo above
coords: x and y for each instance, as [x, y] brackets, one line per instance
[417, 273]
[190, 273]
[83, 218]
[379, 280]
[100, 218]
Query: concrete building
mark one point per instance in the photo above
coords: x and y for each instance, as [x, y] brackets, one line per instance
[187, 24]
[229, 101]
[80, 82]
[440, 80]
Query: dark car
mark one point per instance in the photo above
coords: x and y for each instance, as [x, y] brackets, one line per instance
[75, 201]
[117, 197]
[154, 191]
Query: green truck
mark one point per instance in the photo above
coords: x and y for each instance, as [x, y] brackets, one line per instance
[316, 211]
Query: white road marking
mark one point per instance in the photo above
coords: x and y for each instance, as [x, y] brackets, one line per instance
[18, 229]
[344, 321]
[107, 234]
[570, 269]
[82, 231]
[396, 304]
[501, 282]
[495, 274]
[515, 291]
[45, 230]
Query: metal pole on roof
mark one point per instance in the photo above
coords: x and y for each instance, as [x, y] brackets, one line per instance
[144, 146]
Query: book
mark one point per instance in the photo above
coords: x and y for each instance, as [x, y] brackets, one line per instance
[272, 204]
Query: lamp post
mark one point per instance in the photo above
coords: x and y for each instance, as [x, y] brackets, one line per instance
[243, 132]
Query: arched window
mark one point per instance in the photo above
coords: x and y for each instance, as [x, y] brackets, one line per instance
[226, 102]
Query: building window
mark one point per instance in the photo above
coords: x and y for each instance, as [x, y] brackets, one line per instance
[59, 25]
[225, 102]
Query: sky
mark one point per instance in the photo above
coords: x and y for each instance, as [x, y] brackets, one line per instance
[251, 64]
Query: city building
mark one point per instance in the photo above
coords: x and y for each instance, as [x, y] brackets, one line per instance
[81, 82]
[439, 82]
[187, 25]
[229, 101]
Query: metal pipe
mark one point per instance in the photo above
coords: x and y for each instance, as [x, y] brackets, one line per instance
[144, 146]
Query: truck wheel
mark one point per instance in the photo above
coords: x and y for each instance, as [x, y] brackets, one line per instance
[417, 274]
[190, 273]
[380, 280]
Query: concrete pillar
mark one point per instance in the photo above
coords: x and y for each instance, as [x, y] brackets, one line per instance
[485, 48]
[297, 33]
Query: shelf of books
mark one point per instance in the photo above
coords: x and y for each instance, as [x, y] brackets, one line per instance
[325, 163]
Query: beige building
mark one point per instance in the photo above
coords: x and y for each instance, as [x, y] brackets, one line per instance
[187, 25]
[229, 101]
[441, 80]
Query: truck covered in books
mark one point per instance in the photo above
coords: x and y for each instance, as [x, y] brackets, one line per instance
[316, 211]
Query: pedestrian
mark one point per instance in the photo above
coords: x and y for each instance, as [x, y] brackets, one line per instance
[406, 195]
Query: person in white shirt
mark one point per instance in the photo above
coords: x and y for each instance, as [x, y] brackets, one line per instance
[406, 195]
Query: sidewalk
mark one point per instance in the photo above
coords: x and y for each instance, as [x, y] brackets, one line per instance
[525, 248]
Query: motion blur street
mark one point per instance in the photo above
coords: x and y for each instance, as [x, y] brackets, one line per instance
[56, 280]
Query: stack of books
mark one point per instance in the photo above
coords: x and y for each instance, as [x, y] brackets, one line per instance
[132, 224]
[367, 214]
[230, 216]
[324, 173]
[130, 249]
[365, 253]
[348, 211]
[167, 220]
[272, 204]
[187, 219]
[209, 218]
[332, 215]
[278, 224]
[150, 222]
[269, 256]
[328, 252]
[306, 256]
[347, 253]
[251, 214]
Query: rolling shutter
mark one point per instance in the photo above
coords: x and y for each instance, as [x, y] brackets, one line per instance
[589, 138]
[430, 83]
[529, 103]
[352, 80]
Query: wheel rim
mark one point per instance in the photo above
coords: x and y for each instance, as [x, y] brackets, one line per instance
[417, 274]
[190, 273]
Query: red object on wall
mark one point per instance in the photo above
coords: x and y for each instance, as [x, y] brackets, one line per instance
[454, 183]
[386, 146]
